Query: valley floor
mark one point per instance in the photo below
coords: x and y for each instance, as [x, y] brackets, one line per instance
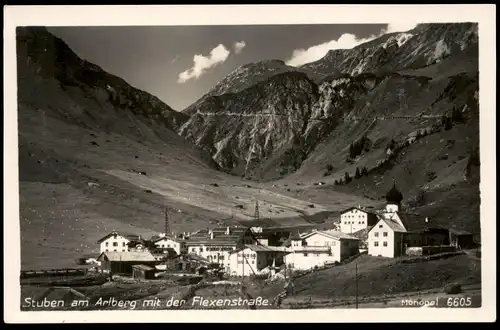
[381, 283]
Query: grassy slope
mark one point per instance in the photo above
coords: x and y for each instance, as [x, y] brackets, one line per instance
[379, 276]
[62, 216]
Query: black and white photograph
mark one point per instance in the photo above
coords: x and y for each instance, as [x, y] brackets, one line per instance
[237, 166]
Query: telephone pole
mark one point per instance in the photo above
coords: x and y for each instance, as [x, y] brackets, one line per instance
[356, 285]
[167, 222]
[256, 215]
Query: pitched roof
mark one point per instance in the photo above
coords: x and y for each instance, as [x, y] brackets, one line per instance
[220, 240]
[128, 236]
[394, 225]
[331, 234]
[413, 222]
[196, 257]
[264, 248]
[175, 239]
[455, 231]
[140, 256]
[309, 249]
[357, 208]
[142, 267]
[362, 234]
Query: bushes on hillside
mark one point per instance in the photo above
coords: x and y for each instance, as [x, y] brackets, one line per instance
[453, 288]
[356, 148]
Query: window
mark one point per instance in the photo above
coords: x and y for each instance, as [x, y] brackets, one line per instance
[385, 243]
[107, 243]
[385, 234]
[305, 254]
[123, 244]
[107, 250]
[114, 250]
[380, 226]
[376, 243]
[201, 249]
[123, 250]
[376, 234]
[115, 244]
[317, 254]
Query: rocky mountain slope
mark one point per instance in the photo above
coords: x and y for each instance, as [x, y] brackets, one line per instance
[395, 107]
[96, 154]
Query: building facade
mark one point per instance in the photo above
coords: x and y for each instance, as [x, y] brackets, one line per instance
[122, 262]
[385, 239]
[116, 242]
[216, 245]
[355, 219]
[252, 259]
[166, 242]
[319, 248]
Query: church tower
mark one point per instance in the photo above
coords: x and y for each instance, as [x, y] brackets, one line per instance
[393, 198]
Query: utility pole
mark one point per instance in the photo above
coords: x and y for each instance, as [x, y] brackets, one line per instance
[401, 257]
[356, 285]
[167, 222]
[256, 213]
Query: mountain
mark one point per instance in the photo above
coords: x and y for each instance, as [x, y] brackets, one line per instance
[96, 154]
[401, 106]
[425, 45]
[246, 76]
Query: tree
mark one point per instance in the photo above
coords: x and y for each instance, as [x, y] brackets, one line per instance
[329, 167]
[456, 116]
[357, 175]
[347, 178]
[448, 124]
[351, 151]
[364, 171]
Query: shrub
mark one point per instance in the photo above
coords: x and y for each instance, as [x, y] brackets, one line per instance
[357, 175]
[453, 288]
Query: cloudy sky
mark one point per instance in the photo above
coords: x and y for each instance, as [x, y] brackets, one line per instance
[179, 64]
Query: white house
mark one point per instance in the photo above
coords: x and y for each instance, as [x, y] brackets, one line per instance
[252, 259]
[396, 230]
[355, 219]
[116, 242]
[165, 242]
[319, 248]
[217, 244]
[385, 239]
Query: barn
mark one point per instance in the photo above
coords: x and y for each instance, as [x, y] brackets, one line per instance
[121, 262]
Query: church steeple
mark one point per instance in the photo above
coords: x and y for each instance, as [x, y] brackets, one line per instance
[393, 198]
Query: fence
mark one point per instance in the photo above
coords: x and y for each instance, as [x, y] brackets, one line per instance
[53, 272]
[429, 250]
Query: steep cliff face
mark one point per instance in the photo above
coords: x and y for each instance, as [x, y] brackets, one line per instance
[242, 129]
[265, 125]
[425, 45]
[246, 76]
[42, 55]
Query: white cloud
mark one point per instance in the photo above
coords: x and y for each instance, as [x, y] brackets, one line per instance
[346, 41]
[238, 46]
[202, 63]
[314, 53]
[399, 27]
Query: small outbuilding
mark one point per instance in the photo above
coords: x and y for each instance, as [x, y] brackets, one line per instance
[143, 272]
[461, 239]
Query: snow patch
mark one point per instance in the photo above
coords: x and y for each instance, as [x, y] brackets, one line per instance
[440, 51]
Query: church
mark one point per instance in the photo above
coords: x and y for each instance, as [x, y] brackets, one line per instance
[395, 230]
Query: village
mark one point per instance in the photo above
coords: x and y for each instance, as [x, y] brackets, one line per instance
[273, 252]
